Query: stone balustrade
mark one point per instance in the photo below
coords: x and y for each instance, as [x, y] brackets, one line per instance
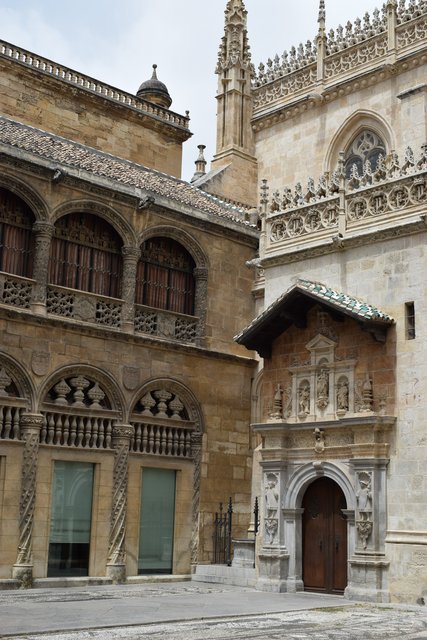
[385, 193]
[86, 83]
[102, 311]
[160, 439]
[394, 30]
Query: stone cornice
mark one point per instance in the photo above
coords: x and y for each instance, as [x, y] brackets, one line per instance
[128, 195]
[332, 245]
[317, 94]
[160, 344]
[94, 89]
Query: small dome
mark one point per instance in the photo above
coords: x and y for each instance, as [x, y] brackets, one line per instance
[155, 91]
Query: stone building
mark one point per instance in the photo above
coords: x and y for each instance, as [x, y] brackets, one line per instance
[122, 287]
[340, 285]
[124, 402]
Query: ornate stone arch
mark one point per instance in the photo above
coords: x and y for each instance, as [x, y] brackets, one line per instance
[28, 194]
[175, 387]
[104, 379]
[308, 473]
[21, 381]
[110, 215]
[354, 125]
[184, 238]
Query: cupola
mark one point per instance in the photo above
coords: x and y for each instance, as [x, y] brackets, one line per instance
[155, 91]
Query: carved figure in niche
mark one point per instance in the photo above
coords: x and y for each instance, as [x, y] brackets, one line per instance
[342, 395]
[277, 411]
[271, 527]
[364, 495]
[304, 399]
[319, 436]
[271, 495]
[323, 389]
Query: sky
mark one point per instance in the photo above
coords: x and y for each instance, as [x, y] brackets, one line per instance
[117, 42]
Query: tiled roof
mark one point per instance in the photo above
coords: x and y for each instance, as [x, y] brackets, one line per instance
[64, 152]
[260, 333]
[345, 302]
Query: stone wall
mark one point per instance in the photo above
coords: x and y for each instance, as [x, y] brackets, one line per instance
[63, 109]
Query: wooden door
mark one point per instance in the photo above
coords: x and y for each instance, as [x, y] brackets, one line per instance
[324, 538]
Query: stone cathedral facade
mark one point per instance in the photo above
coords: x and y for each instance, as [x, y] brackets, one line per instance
[335, 131]
[259, 332]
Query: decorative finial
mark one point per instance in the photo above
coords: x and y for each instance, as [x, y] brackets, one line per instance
[200, 164]
[154, 76]
[322, 15]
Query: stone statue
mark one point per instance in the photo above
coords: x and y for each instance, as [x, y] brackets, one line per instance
[271, 496]
[342, 396]
[304, 399]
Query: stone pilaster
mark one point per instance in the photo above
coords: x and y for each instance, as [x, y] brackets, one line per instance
[196, 449]
[273, 558]
[30, 426]
[130, 261]
[43, 232]
[368, 564]
[116, 563]
[201, 302]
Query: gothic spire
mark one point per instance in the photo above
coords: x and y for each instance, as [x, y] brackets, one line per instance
[234, 48]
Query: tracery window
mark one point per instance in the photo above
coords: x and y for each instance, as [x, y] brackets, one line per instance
[165, 277]
[86, 255]
[365, 146]
[16, 242]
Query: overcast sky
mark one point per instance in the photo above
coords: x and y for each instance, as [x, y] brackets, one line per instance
[118, 41]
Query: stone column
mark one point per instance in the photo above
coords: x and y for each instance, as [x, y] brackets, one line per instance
[201, 302]
[116, 563]
[43, 232]
[130, 261]
[30, 426]
[196, 449]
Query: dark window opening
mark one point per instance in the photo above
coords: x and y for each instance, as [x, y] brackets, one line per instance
[165, 277]
[16, 239]
[86, 255]
[410, 320]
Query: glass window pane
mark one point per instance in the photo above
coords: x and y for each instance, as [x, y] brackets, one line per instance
[157, 521]
[71, 516]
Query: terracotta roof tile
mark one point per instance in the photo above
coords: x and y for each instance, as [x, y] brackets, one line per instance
[72, 154]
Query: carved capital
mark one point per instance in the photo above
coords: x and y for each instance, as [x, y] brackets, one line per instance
[43, 230]
[31, 423]
[131, 253]
[200, 273]
[122, 432]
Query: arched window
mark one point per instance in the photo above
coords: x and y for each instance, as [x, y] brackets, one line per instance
[165, 277]
[16, 242]
[86, 255]
[367, 145]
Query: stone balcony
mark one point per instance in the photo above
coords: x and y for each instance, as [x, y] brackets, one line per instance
[91, 309]
[390, 196]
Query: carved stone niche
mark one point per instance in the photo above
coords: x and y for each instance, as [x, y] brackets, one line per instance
[323, 388]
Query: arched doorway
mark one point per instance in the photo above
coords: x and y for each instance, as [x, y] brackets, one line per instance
[324, 529]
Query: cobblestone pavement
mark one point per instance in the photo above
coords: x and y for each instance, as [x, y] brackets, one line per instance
[301, 618]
